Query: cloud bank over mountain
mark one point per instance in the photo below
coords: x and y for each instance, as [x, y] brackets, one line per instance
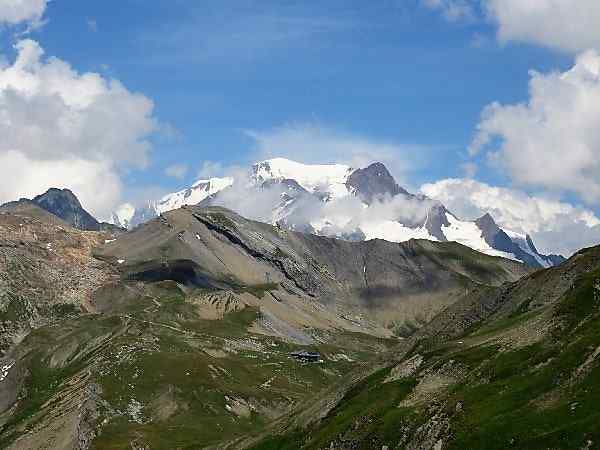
[556, 226]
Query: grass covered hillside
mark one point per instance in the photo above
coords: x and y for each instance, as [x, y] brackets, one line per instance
[527, 377]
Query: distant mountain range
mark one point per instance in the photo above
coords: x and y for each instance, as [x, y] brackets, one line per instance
[339, 201]
[331, 200]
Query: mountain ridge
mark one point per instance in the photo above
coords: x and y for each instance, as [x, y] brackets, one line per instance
[361, 273]
[335, 200]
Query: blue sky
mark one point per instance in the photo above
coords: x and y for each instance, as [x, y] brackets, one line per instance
[395, 72]
[229, 80]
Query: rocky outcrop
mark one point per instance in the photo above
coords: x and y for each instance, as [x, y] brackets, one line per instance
[498, 239]
[373, 182]
[63, 204]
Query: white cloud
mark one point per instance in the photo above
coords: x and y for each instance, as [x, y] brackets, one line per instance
[553, 140]
[566, 25]
[570, 25]
[54, 118]
[13, 12]
[316, 144]
[341, 215]
[177, 171]
[556, 227]
[95, 183]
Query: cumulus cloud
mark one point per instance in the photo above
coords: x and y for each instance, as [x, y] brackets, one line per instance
[13, 12]
[313, 143]
[54, 119]
[95, 182]
[567, 25]
[177, 171]
[556, 227]
[553, 140]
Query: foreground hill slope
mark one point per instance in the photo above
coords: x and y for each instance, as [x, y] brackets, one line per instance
[46, 270]
[510, 367]
[375, 286]
[188, 323]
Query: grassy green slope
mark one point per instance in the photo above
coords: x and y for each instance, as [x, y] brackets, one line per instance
[496, 393]
[167, 378]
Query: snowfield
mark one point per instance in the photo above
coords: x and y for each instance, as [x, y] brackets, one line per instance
[200, 190]
[329, 178]
[470, 235]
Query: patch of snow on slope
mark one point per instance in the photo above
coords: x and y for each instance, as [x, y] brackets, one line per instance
[521, 240]
[516, 236]
[327, 178]
[200, 190]
[4, 370]
[393, 231]
[469, 234]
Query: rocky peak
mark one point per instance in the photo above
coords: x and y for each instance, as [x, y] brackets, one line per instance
[436, 219]
[64, 204]
[488, 227]
[495, 236]
[372, 182]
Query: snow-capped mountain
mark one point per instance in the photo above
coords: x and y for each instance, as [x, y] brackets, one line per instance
[326, 180]
[128, 216]
[340, 201]
[200, 190]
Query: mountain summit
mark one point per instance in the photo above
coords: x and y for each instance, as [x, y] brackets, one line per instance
[65, 205]
[372, 182]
